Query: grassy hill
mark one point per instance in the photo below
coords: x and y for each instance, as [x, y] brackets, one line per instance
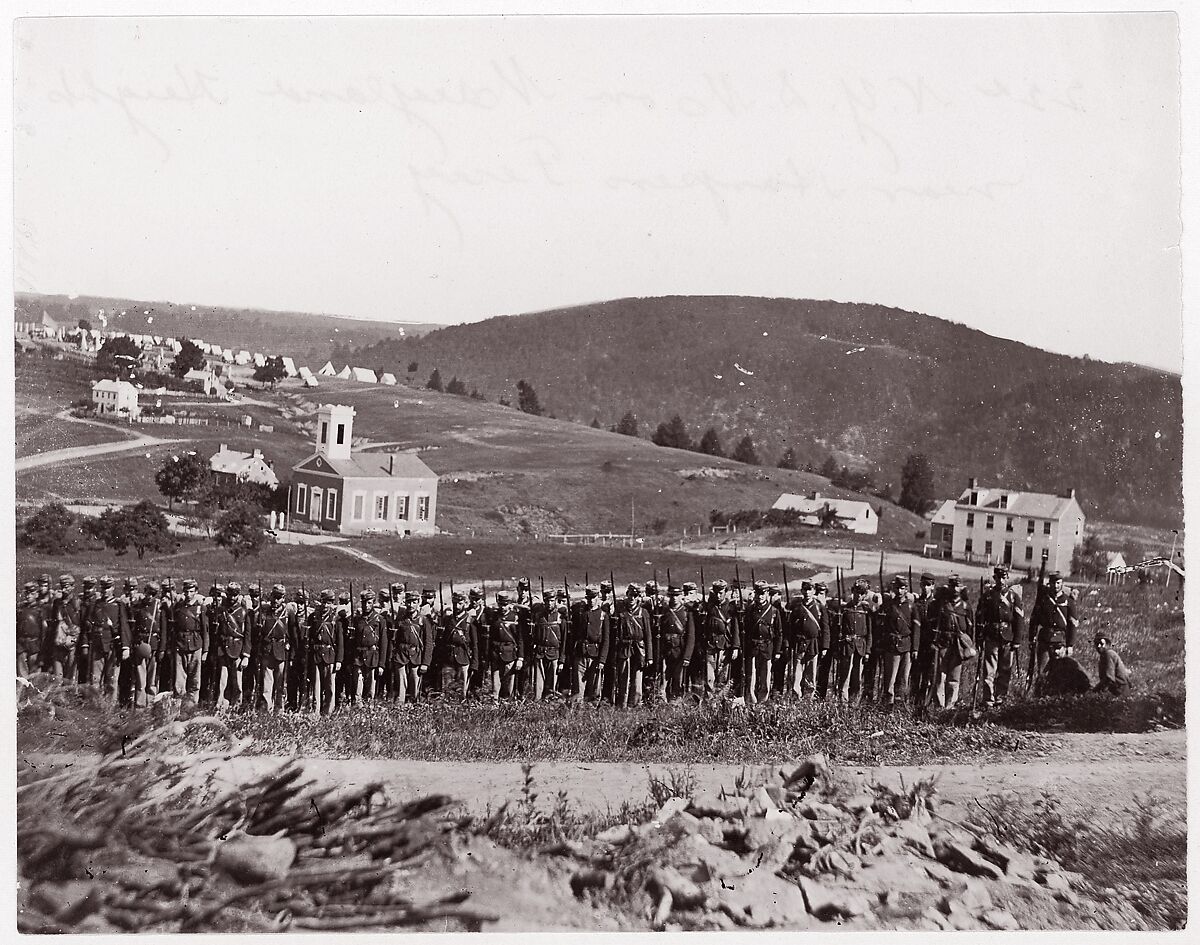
[864, 383]
[307, 337]
[504, 474]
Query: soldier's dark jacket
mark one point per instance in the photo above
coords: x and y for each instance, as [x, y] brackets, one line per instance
[899, 624]
[677, 632]
[31, 626]
[410, 639]
[459, 640]
[762, 632]
[325, 636]
[151, 623]
[108, 626]
[720, 628]
[368, 639]
[952, 618]
[505, 644]
[190, 628]
[232, 625]
[1000, 614]
[631, 635]
[275, 633]
[1054, 619]
[65, 615]
[855, 627]
[545, 640]
[810, 628]
[592, 631]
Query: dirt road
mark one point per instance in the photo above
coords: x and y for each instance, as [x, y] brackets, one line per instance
[865, 561]
[1093, 772]
[73, 453]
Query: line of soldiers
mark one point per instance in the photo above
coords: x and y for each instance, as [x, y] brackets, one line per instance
[259, 647]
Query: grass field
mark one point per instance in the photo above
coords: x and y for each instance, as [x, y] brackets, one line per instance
[41, 433]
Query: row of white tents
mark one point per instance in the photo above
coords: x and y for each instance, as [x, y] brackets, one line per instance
[360, 374]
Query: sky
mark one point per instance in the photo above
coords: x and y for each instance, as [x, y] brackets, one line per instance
[1018, 174]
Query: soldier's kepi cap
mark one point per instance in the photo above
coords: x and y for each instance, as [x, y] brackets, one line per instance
[130, 583]
[66, 579]
[1056, 576]
[151, 587]
[278, 590]
[30, 587]
[428, 593]
[719, 584]
[475, 594]
[927, 578]
[806, 585]
[502, 597]
[632, 590]
[44, 579]
[89, 581]
[385, 594]
[954, 580]
[760, 587]
[366, 594]
[189, 584]
[591, 590]
[458, 596]
[106, 581]
[860, 586]
[232, 587]
[328, 596]
[673, 591]
[899, 581]
[1000, 569]
[689, 586]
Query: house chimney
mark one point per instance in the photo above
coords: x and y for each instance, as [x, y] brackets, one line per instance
[816, 497]
[224, 448]
[972, 483]
[391, 464]
[257, 454]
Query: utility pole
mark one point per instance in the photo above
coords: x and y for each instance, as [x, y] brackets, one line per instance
[631, 529]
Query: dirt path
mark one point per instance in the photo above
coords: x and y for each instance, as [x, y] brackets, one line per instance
[1093, 772]
[865, 561]
[73, 453]
[371, 560]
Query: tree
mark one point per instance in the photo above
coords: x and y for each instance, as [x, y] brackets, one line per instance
[673, 433]
[788, 459]
[745, 452]
[142, 526]
[412, 367]
[710, 443]
[1091, 559]
[85, 324]
[180, 477]
[271, 372]
[456, 387]
[527, 399]
[51, 530]
[828, 517]
[189, 358]
[240, 531]
[435, 381]
[627, 425]
[119, 354]
[829, 468]
[916, 484]
[595, 423]
[475, 395]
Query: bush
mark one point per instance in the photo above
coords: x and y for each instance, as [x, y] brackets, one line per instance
[52, 530]
[240, 531]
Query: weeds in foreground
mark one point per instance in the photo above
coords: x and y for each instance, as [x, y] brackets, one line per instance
[1143, 860]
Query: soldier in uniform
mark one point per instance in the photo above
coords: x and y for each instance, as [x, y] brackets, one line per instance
[762, 637]
[125, 671]
[458, 645]
[87, 599]
[608, 601]
[165, 672]
[367, 647]
[652, 670]
[299, 671]
[1000, 622]
[410, 650]
[719, 639]
[1053, 622]
[828, 660]
[327, 644]
[545, 646]
[480, 670]
[810, 640]
[922, 657]
[107, 643]
[677, 636]
[590, 649]
[951, 624]
[275, 634]
[64, 630]
[232, 646]
[31, 628]
[900, 629]
[150, 626]
[214, 603]
[854, 641]
[190, 641]
[632, 643]
[506, 649]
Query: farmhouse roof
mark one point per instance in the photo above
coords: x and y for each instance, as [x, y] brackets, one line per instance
[253, 465]
[1030, 504]
[945, 514]
[377, 466]
[842, 508]
[117, 386]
